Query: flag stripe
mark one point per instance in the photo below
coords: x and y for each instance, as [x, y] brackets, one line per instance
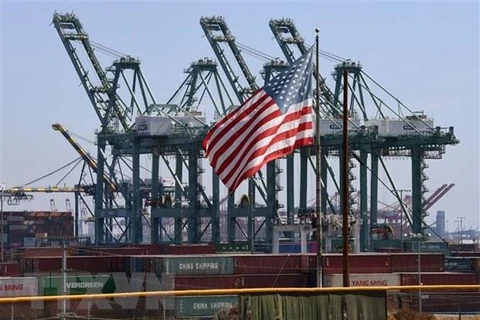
[267, 136]
[270, 157]
[270, 124]
[240, 112]
[228, 131]
[235, 133]
[262, 145]
[280, 145]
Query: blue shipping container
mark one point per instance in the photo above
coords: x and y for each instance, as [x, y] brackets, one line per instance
[459, 264]
[295, 247]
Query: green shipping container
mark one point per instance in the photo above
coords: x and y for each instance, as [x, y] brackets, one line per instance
[429, 246]
[194, 265]
[78, 284]
[202, 306]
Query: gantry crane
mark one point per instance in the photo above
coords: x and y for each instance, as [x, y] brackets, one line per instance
[330, 111]
[120, 134]
[123, 135]
[116, 117]
[111, 185]
[401, 221]
[203, 82]
[414, 135]
[217, 32]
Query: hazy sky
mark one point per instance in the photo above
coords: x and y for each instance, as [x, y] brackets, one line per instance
[426, 54]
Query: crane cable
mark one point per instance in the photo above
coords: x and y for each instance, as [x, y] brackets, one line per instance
[106, 50]
[267, 57]
[53, 172]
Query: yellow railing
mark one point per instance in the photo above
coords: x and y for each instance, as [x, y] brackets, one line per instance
[198, 304]
[224, 292]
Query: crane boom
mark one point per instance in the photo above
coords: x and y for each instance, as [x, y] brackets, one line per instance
[46, 190]
[100, 94]
[286, 34]
[91, 162]
[434, 194]
[211, 26]
[438, 197]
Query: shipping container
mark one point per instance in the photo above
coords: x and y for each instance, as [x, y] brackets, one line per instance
[426, 246]
[438, 278]
[18, 286]
[9, 269]
[202, 306]
[94, 264]
[41, 252]
[308, 262]
[142, 264]
[40, 264]
[241, 281]
[363, 280]
[189, 249]
[194, 265]
[75, 284]
[17, 219]
[274, 280]
[465, 247]
[462, 264]
[211, 282]
[408, 262]
[122, 251]
[16, 227]
[30, 242]
[359, 263]
[295, 247]
[465, 254]
[267, 263]
[389, 250]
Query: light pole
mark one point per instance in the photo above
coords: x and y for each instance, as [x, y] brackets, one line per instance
[419, 275]
[402, 207]
[419, 237]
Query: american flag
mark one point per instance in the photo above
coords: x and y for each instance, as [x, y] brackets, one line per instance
[270, 124]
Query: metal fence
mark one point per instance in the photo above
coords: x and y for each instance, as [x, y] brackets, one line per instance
[459, 302]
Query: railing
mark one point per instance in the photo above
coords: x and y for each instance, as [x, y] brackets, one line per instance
[340, 303]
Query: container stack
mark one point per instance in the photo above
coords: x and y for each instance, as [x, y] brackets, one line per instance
[163, 267]
[226, 271]
[26, 228]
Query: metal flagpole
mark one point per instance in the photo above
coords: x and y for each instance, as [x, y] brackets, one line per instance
[346, 205]
[318, 176]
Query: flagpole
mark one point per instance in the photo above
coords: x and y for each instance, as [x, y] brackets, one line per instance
[318, 165]
[346, 206]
